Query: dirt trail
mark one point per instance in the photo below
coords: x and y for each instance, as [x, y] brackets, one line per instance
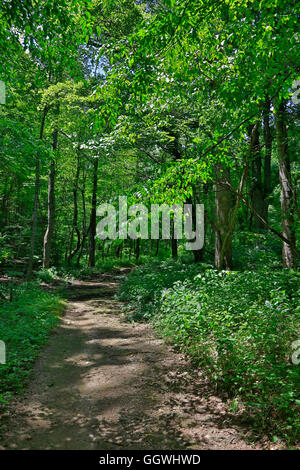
[101, 383]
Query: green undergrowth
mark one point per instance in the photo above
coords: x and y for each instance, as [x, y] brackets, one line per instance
[27, 316]
[84, 273]
[238, 327]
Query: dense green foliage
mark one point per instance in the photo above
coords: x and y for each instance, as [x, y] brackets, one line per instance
[162, 101]
[25, 325]
[238, 326]
[157, 101]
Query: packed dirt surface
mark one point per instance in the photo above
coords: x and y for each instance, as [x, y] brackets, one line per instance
[102, 383]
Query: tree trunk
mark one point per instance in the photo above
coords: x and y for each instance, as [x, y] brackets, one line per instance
[174, 248]
[157, 247]
[267, 159]
[223, 200]
[85, 231]
[198, 254]
[286, 192]
[93, 216]
[137, 248]
[174, 243]
[118, 251]
[223, 257]
[257, 189]
[75, 228]
[36, 201]
[51, 205]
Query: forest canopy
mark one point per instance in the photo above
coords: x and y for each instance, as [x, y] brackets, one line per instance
[163, 101]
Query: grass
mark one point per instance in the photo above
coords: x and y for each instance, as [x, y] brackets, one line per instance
[238, 326]
[25, 325]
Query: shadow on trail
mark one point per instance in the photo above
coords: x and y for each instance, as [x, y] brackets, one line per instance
[101, 383]
[91, 386]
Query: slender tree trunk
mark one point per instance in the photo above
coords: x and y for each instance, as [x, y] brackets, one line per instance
[174, 243]
[286, 191]
[198, 254]
[130, 248]
[118, 251]
[267, 159]
[137, 248]
[34, 219]
[75, 228]
[36, 201]
[157, 247]
[5, 200]
[257, 189]
[85, 231]
[93, 216]
[51, 204]
[223, 201]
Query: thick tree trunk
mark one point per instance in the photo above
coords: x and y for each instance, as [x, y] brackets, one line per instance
[257, 197]
[51, 205]
[286, 191]
[36, 201]
[223, 201]
[267, 159]
[93, 216]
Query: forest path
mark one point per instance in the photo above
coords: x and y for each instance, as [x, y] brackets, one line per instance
[102, 383]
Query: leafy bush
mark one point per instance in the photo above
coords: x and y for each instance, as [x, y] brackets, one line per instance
[256, 250]
[144, 286]
[25, 324]
[46, 275]
[238, 326]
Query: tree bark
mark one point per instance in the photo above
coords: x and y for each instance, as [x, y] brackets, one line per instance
[51, 204]
[85, 231]
[198, 254]
[137, 249]
[257, 189]
[227, 237]
[223, 201]
[286, 191]
[157, 248]
[93, 216]
[267, 159]
[174, 243]
[75, 228]
[36, 201]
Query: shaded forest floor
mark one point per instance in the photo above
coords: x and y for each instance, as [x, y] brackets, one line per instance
[102, 383]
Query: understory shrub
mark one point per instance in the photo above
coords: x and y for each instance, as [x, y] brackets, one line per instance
[238, 326]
